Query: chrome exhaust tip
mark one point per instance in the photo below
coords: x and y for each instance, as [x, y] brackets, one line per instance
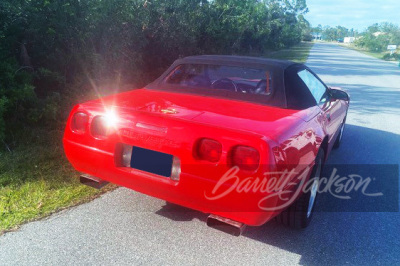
[92, 181]
[225, 225]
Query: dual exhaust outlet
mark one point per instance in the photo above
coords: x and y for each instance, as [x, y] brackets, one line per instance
[92, 181]
[220, 223]
[225, 225]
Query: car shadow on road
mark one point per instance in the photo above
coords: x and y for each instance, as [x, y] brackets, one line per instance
[346, 237]
[180, 214]
[335, 237]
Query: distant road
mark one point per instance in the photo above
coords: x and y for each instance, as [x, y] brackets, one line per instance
[126, 228]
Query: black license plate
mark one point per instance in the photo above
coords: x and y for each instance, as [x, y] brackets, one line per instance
[151, 161]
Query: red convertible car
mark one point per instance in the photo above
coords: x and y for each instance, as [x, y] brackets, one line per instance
[243, 139]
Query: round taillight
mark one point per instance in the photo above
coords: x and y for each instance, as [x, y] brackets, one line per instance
[99, 127]
[79, 122]
[209, 150]
[247, 158]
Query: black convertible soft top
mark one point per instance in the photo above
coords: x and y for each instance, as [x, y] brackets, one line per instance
[237, 60]
[290, 91]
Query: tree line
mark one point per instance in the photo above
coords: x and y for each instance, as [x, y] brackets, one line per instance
[375, 38]
[50, 48]
[329, 33]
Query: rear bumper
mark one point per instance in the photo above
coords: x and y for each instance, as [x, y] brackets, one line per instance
[190, 191]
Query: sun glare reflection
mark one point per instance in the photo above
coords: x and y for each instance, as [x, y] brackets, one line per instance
[111, 118]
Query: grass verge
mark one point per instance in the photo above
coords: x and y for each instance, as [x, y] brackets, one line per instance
[378, 55]
[298, 53]
[36, 179]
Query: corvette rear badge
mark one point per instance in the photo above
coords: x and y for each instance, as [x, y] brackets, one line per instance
[169, 111]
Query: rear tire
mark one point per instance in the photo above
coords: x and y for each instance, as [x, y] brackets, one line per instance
[299, 214]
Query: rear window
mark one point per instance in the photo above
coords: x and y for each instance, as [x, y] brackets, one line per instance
[221, 77]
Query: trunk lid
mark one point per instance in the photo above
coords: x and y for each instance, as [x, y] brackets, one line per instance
[226, 113]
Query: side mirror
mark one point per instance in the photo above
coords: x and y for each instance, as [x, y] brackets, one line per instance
[339, 94]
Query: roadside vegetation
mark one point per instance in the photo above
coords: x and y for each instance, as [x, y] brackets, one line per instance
[379, 55]
[55, 54]
[298, 53]
[36, 180]
[373, 41]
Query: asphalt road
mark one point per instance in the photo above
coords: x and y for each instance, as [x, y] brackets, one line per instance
[125, 228]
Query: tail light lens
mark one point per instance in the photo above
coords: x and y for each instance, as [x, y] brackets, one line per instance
[209, 150]
[79, 122]
[99, 127]
[247, 158]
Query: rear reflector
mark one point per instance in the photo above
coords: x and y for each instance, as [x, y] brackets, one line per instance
[209, 150]
[126, 155]
[79, 122]
[247, 158]
[176, 169]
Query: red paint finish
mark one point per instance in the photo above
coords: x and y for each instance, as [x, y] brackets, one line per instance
[188, 126]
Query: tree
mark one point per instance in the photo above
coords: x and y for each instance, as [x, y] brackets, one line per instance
[50, 50]
[378, 36]
[333, 34]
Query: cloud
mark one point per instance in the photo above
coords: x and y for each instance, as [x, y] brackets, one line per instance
[357, 14]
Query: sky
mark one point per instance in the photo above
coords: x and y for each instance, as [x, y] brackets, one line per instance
[356, 14]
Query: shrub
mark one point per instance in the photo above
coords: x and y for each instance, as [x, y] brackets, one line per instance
[394, 56]
[16, 94]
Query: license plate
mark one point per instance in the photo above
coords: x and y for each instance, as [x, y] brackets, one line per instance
[151, 161]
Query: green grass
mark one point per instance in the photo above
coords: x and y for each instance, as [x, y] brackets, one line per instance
[37, 180]
[298, 53]
[378, 55]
